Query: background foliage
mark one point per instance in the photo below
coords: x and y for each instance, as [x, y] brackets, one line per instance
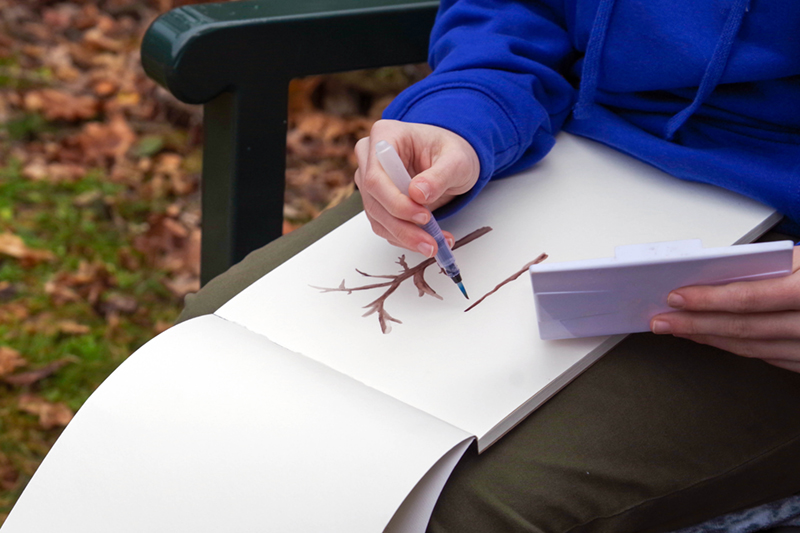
[100, 221]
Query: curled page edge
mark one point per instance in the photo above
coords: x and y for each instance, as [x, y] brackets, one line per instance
[415, 512]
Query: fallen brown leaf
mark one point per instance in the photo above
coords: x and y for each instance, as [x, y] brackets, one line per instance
[8, 474]
[98, 40]
[65, 172]
[101, 142]
[59, 60]
[35, 169]
[340, 194]
[59, 292]
[13, 246]
[60, 105]
[301, 91]
[70, 327]
[128, 259]
[88, 198]
[25, 379]
[161, 326]
[88, 17]
[60, 17]
[13, 312]
[169, 166]
[7, 291]
[170, 244]
[191, 253]
[38, 170]
[104, 88]
[50, 414]
[10, 360]
[88, 283]
[119, 303]
[182, 284]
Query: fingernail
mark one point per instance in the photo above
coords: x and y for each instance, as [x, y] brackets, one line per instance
[675, 300]
[450, 241]
[425, 249]
[420, 218]
[661, 327]
[424, 188]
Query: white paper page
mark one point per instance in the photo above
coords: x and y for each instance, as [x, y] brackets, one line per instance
[415, 512]
[475, 369]
[210, 428]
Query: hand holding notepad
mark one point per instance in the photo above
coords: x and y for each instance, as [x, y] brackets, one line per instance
[623, 294]
[759, 319]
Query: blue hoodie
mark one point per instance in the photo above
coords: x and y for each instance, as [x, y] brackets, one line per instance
[706, 90]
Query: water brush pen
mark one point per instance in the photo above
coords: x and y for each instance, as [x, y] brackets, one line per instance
[396, 170]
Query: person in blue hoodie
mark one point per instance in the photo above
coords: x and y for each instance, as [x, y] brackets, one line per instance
[707, 91]
[665, 431]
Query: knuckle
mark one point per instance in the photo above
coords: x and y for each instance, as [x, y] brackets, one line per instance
[742, 298]
[793, 288]
[685, 326]
[740, 327]
[405, 235]
[369, 181]
[463, 173]
[402, 234]
[381, 127]
[377, 228]
[369, 204]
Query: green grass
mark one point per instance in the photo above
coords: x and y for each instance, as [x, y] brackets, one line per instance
[45, 215]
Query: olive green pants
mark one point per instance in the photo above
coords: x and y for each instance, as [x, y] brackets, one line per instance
[660, 434]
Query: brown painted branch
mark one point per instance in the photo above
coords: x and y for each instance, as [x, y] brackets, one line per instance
[348, 290]
[417, 273]
[509, 280]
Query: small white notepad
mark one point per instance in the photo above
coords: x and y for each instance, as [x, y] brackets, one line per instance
[621, 294]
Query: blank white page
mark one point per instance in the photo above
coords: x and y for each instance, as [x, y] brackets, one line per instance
[210, 428]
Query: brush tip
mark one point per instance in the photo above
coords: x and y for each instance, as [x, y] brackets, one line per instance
[463, 290]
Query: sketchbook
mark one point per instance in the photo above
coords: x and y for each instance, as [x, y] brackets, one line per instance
[338, 392]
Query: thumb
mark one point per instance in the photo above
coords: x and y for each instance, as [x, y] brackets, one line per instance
[451, 174]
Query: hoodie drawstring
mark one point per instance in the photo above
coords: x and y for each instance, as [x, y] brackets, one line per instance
[591, 60]
[715, 68]
[711, 76]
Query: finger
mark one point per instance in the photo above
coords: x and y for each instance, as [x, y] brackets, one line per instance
[379, 219]
[373, 182]
[778, 294]
[451, 174]
[780, 325]
[788, 350]
[369, 206]
[451, 241]
[380, 231]
[794, 366]
[362, 152]
[399, 232]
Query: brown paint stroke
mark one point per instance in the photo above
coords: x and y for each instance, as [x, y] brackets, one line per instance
[524, 269]
[417, 273]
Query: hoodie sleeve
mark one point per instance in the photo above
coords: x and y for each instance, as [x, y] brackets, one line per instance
[496, 81]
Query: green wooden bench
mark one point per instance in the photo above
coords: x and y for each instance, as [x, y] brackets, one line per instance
[236, 59]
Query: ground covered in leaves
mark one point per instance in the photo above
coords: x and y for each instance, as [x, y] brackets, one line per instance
[99, 201]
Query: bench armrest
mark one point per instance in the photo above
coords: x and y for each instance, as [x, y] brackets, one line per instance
[237, 60]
